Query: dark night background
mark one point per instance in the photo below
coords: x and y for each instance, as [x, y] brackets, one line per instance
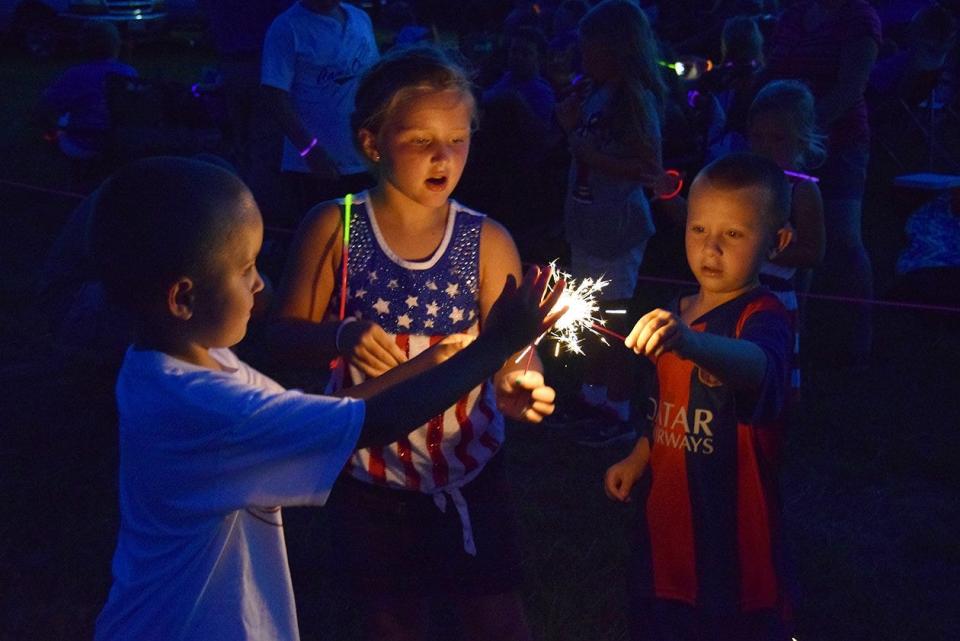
[871, 483]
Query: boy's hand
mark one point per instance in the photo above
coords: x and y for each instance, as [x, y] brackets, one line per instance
[521, 314]
[367, 347]
[621, 477]
[657, 332]
[524, 397]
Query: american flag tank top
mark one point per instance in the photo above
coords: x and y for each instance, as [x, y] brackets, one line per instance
[418, 304]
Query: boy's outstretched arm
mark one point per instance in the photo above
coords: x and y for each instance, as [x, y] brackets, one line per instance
[742, 364]
[517, 318]
[521, 391]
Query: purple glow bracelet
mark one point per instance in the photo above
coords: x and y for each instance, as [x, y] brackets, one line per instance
[308, 148]
[796, 174]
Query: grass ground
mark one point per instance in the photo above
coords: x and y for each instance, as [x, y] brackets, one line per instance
[870, 485]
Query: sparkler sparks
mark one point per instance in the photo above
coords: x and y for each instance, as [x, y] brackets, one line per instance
[581, 316]
[582, 310]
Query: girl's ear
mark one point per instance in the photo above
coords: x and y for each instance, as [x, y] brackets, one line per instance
[782, 238]
[180, 299]
[368, 143]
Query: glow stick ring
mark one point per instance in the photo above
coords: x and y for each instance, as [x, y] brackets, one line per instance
[675, 192]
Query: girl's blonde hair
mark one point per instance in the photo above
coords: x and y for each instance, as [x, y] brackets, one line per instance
[400, 75]
[622, 27]
[793, 97]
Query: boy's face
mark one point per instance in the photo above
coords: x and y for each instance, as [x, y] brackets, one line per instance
[224, 298]
[727, 237]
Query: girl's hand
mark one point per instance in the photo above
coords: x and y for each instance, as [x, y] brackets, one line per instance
[657, 332]
[621, 477]
[446, 348]
[524, 397]
[366, 346]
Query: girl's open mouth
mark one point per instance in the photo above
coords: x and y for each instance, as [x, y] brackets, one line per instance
[437, 184]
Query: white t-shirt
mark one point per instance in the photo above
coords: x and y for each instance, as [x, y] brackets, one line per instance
[318, 61]
[206, 458]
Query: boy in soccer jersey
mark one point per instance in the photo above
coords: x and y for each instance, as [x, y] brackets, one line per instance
[708, 550]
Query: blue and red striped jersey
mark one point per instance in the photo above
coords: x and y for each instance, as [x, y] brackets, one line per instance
[712, 509]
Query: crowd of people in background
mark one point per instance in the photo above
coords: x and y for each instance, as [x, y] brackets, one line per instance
[529, 64]
[585, 124]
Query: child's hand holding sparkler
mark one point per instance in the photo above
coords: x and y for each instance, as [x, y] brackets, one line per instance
[523, 396]
[659, 331]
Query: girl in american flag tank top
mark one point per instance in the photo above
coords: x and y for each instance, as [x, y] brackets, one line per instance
[429, 515]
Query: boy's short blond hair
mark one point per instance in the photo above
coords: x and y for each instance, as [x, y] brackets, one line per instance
[741, 170]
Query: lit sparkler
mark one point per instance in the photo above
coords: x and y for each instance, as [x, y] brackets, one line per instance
[580, 299]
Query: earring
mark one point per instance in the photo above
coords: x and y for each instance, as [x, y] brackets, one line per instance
[376, 157]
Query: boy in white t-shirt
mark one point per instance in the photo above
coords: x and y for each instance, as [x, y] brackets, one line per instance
[209, 447]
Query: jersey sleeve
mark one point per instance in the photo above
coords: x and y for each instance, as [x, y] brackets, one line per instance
[278, 61]
[770, 329]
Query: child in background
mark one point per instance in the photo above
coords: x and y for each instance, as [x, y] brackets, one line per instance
[209, 447]
[782, 127]
[77, 103]
[79, 97]
[614, 136]
[928, 268]
[527, 49]
[708, 551]
[428, 515]
[733, 81]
